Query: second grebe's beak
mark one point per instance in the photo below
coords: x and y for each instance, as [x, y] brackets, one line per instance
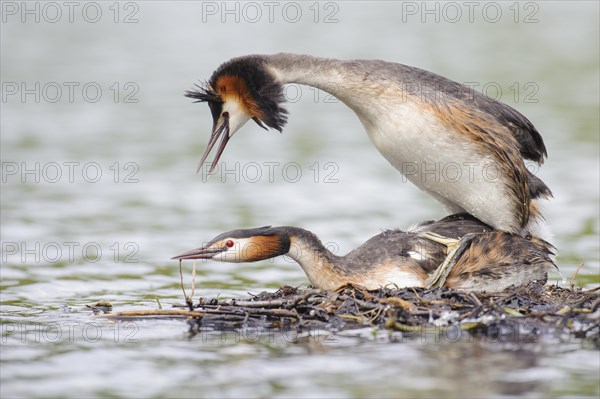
[223, 129]
[201, 253]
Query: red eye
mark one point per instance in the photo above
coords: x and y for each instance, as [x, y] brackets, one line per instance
[229, 243]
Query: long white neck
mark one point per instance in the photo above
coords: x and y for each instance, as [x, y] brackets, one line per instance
[307, 70]
[352, 82]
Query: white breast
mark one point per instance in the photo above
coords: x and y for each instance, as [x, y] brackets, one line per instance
[440, 162]
[396, 278]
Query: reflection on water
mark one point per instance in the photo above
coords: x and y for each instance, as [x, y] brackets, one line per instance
[98, 192]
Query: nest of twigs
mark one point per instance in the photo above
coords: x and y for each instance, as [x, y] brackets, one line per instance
[514, 314]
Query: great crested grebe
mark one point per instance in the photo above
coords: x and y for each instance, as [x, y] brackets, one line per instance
[492, 261]
[422, 123]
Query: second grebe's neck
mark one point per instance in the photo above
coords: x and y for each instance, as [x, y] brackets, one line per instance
[321, 266]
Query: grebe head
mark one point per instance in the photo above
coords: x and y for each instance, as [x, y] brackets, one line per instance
[243, 245]
[239, 90]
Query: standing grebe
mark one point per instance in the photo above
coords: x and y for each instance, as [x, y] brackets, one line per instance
[492, 260]
[460, 146]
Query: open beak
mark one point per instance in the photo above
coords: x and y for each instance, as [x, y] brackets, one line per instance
[221, 130]
[200, 253]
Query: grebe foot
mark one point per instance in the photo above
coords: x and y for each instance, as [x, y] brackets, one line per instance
[455, 249]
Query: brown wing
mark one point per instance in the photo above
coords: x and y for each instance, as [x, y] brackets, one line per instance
[495, 139]
[528, 140]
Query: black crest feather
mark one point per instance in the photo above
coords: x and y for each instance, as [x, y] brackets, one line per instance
[203, 93]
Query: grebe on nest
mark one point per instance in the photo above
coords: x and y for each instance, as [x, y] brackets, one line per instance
[489, 261]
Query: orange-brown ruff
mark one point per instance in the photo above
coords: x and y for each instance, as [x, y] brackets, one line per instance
[232, 88]
[422, 123]
[493, 261]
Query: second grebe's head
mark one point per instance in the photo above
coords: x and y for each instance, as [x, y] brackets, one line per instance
[243, 245]
[239, 90]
